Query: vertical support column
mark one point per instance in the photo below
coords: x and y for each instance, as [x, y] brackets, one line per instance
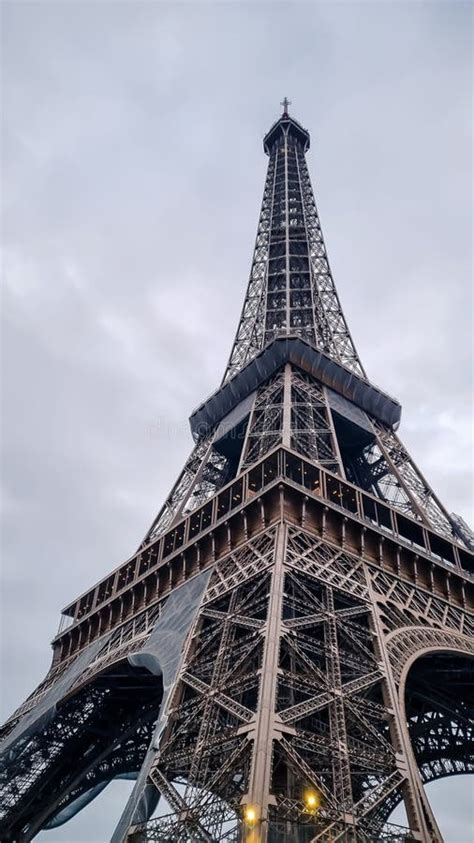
[341, 762]
[199, 757]
[335, 441]
[265, 729]
[245, 445]
[287, 239]
[286, 432]
[420, 816]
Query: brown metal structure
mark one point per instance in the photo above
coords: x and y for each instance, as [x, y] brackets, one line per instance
[288, 654]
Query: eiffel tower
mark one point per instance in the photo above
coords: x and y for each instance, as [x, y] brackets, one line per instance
[288, 654]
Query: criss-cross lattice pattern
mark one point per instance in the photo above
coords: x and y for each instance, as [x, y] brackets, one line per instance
[334, 731]
[288, 653]
[312, 432]
[385, 468]
[204, 473]
[291, 289]
[307, 427]
[291, 408]
[266, 423]
[107, 733]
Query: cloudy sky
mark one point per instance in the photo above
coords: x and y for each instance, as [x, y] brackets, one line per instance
[133, 173]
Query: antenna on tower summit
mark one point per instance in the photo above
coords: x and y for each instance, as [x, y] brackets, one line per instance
[285, 103]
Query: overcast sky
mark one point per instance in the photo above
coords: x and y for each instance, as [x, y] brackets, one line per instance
[133, 173]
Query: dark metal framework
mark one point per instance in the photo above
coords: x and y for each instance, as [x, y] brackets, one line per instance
[325, 671]
[291, 290]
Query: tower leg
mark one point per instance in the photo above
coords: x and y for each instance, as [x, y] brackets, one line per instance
[265, 726]
[421, 819]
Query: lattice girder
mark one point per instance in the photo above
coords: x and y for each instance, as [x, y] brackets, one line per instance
[291, 289]
[295, 409]
[332, 729]
[315, 585]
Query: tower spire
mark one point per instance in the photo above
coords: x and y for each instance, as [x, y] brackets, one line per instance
[291, 291]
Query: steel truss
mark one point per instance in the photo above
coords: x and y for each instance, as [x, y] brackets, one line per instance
[307, 635]
[291, 289]
[101, 732]
[284, 690]
[326, 671]
[292, 408]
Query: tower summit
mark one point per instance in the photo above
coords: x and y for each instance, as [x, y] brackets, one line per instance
[288, 654]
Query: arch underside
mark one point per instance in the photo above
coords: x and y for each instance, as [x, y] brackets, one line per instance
[439, 705]
[101, 733]
[108, 734]
[439, 694]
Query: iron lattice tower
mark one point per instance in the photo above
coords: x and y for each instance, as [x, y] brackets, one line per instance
[288, 654]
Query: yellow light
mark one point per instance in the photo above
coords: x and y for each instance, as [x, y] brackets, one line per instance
[250, 814]
[312, 800]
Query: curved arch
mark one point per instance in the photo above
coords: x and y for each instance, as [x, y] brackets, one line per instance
[409, 647]
[436, 698]
[406, 645]
[427, 651]
[109, 662]
[105, 725]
